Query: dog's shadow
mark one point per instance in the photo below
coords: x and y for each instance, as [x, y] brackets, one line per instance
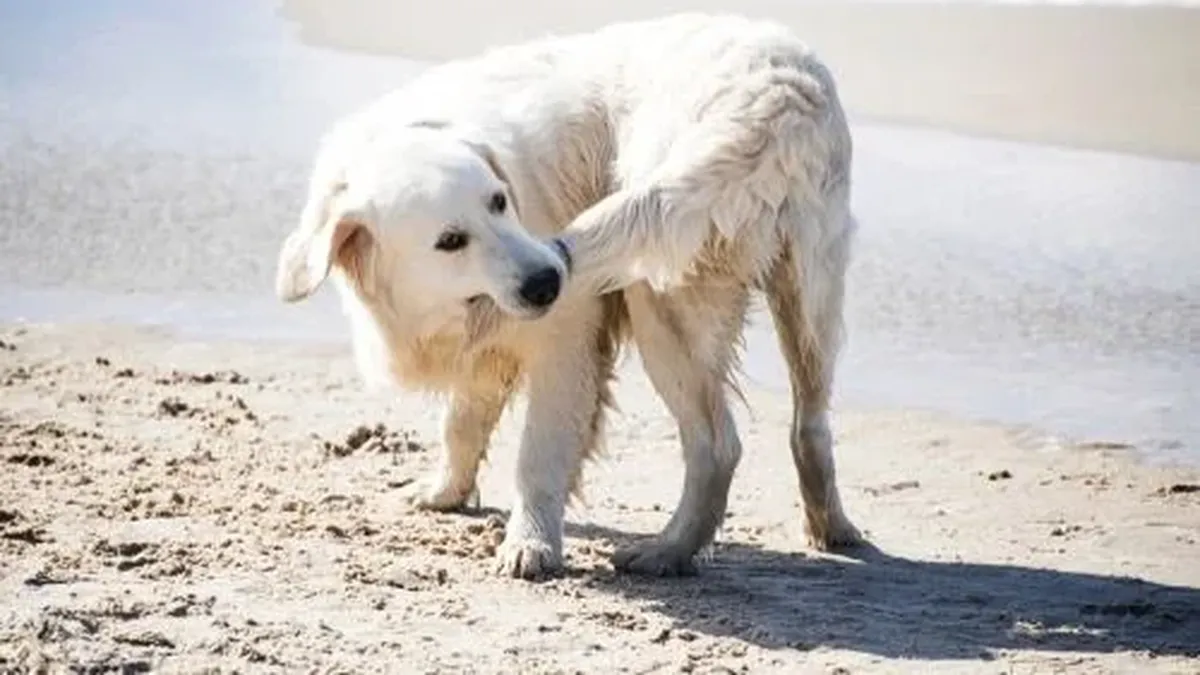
[890, 606]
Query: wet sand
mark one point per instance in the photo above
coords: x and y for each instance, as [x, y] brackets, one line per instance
[1013, 308]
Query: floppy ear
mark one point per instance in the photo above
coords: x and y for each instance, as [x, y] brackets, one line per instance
[311, 250]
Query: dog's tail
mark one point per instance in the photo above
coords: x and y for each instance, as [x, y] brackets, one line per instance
[776, 150]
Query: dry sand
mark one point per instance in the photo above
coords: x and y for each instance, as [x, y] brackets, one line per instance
[175, 506]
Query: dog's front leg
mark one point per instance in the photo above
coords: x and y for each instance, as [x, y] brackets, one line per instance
[560, 428]
[467, 424]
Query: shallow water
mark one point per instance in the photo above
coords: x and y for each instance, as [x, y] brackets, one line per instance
[153, 155]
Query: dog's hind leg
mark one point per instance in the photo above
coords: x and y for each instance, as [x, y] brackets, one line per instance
[808, 322]
[467, 424]
[686, 340]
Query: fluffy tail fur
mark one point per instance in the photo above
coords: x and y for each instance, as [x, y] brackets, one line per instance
[766, 166]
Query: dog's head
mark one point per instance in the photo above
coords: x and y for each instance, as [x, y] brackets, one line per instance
[421, 215]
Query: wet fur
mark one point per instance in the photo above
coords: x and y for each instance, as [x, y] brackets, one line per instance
[684, 164]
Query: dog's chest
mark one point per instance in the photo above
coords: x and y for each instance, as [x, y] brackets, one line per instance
[445, 363]
[429, 364]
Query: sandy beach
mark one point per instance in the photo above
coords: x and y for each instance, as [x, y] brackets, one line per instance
[194, 479]
[177, 506]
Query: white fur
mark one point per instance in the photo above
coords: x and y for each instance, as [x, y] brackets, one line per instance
[685, 163]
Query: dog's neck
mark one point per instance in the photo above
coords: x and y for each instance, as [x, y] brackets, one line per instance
[400, 345]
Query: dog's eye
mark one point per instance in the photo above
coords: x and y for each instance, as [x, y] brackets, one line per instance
[498, 203]
[451, 240]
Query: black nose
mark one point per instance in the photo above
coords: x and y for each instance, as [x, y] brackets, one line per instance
[541, 288]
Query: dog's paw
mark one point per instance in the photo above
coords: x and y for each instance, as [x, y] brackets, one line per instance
[832, 534]
[435, 493]
[655, 558]
[527, 558]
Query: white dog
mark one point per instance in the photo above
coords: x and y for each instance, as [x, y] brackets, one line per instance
[511, 220]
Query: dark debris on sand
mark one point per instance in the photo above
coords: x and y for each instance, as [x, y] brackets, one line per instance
[377, 439]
